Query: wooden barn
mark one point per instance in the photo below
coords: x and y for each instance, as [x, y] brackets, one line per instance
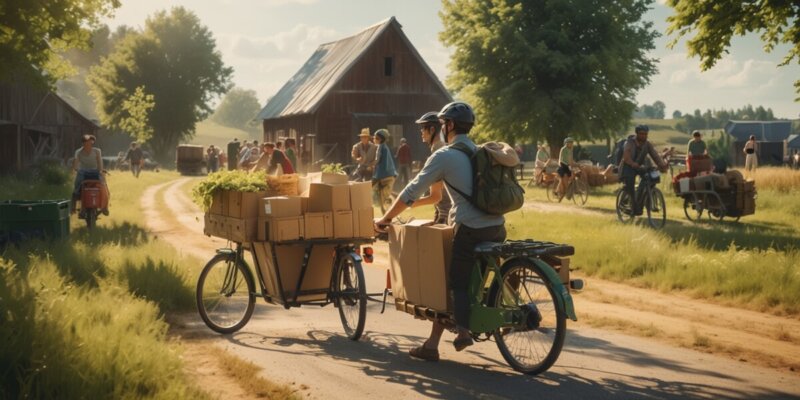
[373, 79]
[36, 124]
[771, 137]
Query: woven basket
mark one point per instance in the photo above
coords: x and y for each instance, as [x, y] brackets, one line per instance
[283, 185]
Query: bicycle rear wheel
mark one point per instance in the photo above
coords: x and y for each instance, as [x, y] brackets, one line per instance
[656, 208]
[225, 294]
[532, 345]
[624, 207]
[351, 296]
[551, 190]
[580, 192]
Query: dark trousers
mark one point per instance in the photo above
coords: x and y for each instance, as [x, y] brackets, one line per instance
[628, 179]
[462, 262]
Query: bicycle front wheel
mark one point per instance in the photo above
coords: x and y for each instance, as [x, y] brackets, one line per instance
[551, 190]
[531, 345]
[580, 192]
[624, 207]
[225, 294]
[351, 296]
[656, 208]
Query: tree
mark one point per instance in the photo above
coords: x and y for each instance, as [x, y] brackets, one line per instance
[659, 109]
[647, 111]
[238, 109]
[546, 69]
[135, 118]
[33, 33]
[714, 23]
[676, 114]
[175, 60]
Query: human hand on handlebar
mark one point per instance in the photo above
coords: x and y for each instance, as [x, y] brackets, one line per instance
[381, 225]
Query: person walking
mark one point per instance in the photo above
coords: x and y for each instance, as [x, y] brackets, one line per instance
[385, 173]
[233, 153]
[403, 156]
[213, 159]
[363, 154]
[135, 158]
[291, 153]
[750, 156]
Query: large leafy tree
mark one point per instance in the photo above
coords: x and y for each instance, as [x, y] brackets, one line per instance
[238, 109]
[715, 22]
[546, 69]
[34, 33]
[175, 62]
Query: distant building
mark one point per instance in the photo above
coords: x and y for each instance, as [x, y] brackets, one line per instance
[374, 79]
[771, 136]
[36, 124]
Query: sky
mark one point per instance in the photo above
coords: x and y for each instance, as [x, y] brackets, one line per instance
[267, 41]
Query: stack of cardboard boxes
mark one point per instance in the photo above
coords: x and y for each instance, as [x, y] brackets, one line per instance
[233, 215]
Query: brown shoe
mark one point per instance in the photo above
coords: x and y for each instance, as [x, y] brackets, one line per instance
[424, 353]
[462, 343]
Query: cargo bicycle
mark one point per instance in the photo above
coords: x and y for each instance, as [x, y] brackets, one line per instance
[518, 300]
[226, 289]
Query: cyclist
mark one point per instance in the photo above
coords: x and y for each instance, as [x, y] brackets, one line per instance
[634, 154]
[565, 162]
[88, 162]
[432, 136]
[472, 226]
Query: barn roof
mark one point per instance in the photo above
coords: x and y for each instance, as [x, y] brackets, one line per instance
[765, 131]
[793, 142]
[327, 66]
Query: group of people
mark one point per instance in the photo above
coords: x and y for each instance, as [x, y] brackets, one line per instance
[566, 162]
[268, 156]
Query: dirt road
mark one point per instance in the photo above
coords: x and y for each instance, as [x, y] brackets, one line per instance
[755, 355]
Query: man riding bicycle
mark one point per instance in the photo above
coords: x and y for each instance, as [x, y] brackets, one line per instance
[634, 157]
[565, 163]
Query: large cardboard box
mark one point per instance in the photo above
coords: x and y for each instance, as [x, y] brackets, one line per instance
[342, 224]
[327, 177]
[318, 225]
[243, 204]
[280, 229]
[326, 197]
[216, 203]
[242, 229]
[363, 220]
[281, 206]
[419, 257]
[289, 264]
[216, 225]
[360, 195]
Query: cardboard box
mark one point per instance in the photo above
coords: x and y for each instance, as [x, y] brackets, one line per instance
[224, 196]
[289, 262]
[281, 206]
[242, 229]
[363, 222]
[563, 271]
[318, 225]
[304, 204]
[280, 229]
[243, 204]
[216, 225]
[326, 197]
[685, 184]
[303, 183]
[419, 257]
[216, 203]
[342, 224]
[327, 177]
[360, 195]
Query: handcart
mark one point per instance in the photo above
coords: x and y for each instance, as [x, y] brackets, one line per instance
[716, 202]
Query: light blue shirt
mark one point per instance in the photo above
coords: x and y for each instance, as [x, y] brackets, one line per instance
[454, 167]
[384, 166]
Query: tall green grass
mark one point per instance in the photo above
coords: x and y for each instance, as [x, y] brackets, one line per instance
[84, 317]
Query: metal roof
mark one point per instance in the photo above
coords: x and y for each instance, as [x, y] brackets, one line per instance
[793, 141]
[765, 131]
[327, 66]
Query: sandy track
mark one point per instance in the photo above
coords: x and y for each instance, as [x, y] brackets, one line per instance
[307, 346]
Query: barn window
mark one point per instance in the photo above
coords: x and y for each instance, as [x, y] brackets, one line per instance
[388, 64]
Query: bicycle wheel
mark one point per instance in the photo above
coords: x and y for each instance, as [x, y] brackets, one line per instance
[551, 190]
[656, 208]
[351, 296]
[225, 294]
[532, 345]
[624, 207]
[692, 208]
[580, 192]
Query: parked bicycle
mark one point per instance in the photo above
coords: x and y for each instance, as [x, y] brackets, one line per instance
[646, 192]
[577, 190]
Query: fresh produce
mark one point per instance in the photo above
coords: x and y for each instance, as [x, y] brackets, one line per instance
[238, 180]
[333, 168]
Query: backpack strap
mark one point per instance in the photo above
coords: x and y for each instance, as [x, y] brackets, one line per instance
[468, 152]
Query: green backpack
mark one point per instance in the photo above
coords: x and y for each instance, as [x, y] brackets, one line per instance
[495, 189]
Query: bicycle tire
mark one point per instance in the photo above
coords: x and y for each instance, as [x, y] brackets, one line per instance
[549, 332]
[580, 193]
[220, 311]
[551, 191]
[351, 296]
[691, 209]
[91, 218]
[624, 207]
[655, 203]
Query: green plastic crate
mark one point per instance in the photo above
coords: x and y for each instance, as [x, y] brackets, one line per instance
[22, 220]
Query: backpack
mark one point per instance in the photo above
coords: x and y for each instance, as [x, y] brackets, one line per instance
[495, 189]
[619, 150]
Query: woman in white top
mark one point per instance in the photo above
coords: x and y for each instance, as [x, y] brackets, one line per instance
[88, 162]
[751, 159]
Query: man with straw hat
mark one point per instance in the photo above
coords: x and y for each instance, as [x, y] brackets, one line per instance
[363, 154]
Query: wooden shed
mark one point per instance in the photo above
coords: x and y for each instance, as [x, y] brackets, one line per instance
[36, 124]
[373, 79]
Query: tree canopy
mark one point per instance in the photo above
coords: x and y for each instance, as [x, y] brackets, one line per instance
[716, 119]
[238, 109]
[34, 33]
[545, 69]
[174, 60]
[715, 22]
